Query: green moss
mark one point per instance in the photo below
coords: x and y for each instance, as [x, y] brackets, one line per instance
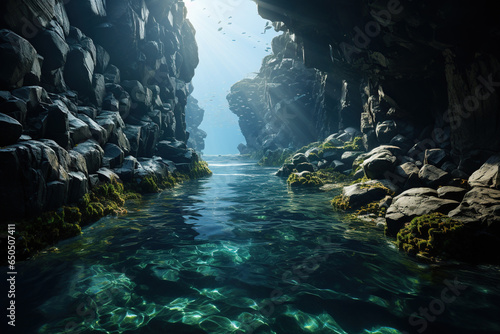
[355, 145]
[33, 235]
[372, 208]
[340, 203]
[307, 180]
[376, 185]
[199, 170]
[275, 158]
[328, 175]
[46, 229]
[434, 236]
[153, 184]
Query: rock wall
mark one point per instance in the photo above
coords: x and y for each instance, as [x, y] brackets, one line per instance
[194, 117]
[282, 106]
[427, 72]
[89, 90]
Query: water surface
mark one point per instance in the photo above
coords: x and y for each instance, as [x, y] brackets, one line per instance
[240, 252]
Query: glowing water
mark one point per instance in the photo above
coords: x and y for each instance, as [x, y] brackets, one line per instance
[239, 252]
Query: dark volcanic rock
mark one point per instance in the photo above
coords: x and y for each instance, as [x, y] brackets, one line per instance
[18, 56]
[432, 176]
[10, 130]
[93, 154]
[79, 70]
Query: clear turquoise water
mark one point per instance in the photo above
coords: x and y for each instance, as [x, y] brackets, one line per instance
[241, 253]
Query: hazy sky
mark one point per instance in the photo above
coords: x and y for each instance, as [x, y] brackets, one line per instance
[232, 44]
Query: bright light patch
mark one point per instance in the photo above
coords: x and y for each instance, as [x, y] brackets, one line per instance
[232, 41]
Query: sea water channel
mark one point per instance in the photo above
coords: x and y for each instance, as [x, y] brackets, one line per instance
[240, 252]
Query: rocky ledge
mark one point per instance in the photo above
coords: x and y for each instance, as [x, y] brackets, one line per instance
[92, 92]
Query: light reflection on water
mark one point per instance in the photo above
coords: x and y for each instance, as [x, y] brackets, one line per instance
[240, 252]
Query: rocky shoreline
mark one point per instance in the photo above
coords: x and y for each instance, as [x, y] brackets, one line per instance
[434, 214]
[407, 111]
[92, 93]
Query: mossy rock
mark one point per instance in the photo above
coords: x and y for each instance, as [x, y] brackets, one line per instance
[372, 208]
[340, 203]
[435, 236]
[304, 180]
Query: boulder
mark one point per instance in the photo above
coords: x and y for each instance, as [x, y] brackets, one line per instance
[299, 158]
[413, 203]
[14, 107]
[332, 140]
[435, 157]
[58, 126]
[79, 130]
[285, 170]
[57, 194]
[33, 96]
[378, 164]
[303, 166]
[78, 186]
[92, 153]
[402, 142]
[152, 166]
[51, 44]
[432, 176]
[113, 155]
[480, 205]
[106, 175]
[385, 131]
[488, 175]
[338, 166]
[453, 193]
[10, 130]
[361, 194]
[118, 138]
[77, 163]
[127, 170]
[407, 175]
[112, 75]
[98, 132]
[102, 60]
[79, 70]
[18, 56]
[348, 157]
[98, 89]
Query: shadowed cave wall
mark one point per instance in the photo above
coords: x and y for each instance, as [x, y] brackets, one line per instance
[426, 71]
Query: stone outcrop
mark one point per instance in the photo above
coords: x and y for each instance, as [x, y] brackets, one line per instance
[86, 88]
[194, 117]
[282, 106]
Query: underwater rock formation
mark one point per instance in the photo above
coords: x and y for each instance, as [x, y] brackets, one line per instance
[87, 91]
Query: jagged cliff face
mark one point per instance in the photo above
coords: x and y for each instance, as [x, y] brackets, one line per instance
[194, 117]
[423, 70]
[87, 84]
[279, 107]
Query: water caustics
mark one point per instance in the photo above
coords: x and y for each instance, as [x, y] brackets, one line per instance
[241, 253]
